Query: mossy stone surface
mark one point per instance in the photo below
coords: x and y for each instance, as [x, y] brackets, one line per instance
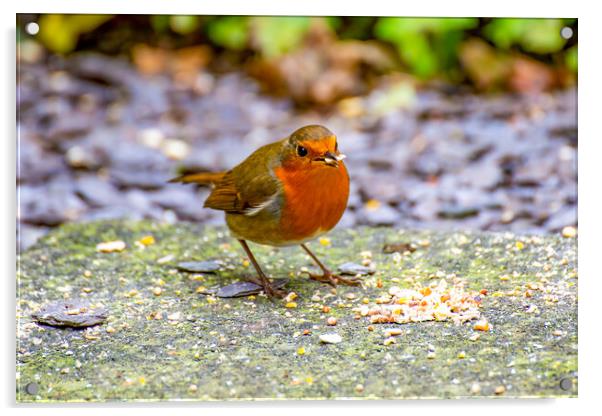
[176, 343]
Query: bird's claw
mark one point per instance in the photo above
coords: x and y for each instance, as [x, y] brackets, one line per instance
[268, 289]
[334, 279]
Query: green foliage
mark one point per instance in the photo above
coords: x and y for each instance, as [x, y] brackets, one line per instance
[159, 22]
[231, 32]
[571, 58]
[184, 24]
[533, 35]
[60, 33]
[278, 35]
[426, 45]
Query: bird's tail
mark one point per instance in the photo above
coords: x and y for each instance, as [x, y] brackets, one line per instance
[202, 178]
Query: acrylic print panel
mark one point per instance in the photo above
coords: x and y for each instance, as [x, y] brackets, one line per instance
[427, 165]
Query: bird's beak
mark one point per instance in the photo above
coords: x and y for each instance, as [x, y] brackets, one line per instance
[331, 159]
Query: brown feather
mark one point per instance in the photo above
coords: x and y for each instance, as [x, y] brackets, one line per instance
[248, 185]
[202, 178]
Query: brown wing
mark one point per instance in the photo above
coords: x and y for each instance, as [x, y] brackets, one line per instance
[250, 186]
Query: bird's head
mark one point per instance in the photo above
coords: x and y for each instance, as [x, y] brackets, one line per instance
[312, 147]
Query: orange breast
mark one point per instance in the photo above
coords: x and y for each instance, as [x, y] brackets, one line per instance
[314, 200]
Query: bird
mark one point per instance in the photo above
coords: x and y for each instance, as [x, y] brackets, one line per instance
[285, 193]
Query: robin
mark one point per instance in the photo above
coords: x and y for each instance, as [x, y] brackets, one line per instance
[285, 193]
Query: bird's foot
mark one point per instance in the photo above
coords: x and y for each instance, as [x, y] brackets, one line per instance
[268, 289]
[334, 279]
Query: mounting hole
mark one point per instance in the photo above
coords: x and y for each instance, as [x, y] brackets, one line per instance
[566, 384]
[566, 33]
[32, 28]
[32, 388]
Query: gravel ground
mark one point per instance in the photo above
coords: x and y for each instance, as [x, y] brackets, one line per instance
[98, 141]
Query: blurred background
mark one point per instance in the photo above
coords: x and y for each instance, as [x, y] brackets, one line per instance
[448, 123]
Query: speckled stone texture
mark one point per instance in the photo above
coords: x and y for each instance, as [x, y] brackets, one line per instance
[177, 343]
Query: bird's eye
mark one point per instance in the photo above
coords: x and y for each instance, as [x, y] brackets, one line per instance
[301, 151]
[336, 146]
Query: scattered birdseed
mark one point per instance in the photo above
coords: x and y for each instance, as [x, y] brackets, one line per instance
[332, 321]
[147, 240]
[359, 388]
[462, 355]
[165, 259]
[500, 390]
[474, 337]
[87, 273]
[111, 246]
[290, 297]
[370, 328]
[520, 245]
[306, 332]
[325, 241]
[291, 305]
[481, 325]
[475, 388]
[91, 337]
[176, 316]
[301, 351]
[330, 338]
[110, 329]
[392, 332]
[569, 232]
[389, 341]
[157, 291]
[436, 303]
[366, 254]
[398, 248]
[193, 388]
[325, 309]
[431, 355]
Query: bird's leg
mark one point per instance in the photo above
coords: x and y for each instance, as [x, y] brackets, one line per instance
[263, 281]
[328, 276]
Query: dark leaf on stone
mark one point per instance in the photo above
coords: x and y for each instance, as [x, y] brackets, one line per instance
[398, 248]
[72, 314]
[239, 289]
[355, 269]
